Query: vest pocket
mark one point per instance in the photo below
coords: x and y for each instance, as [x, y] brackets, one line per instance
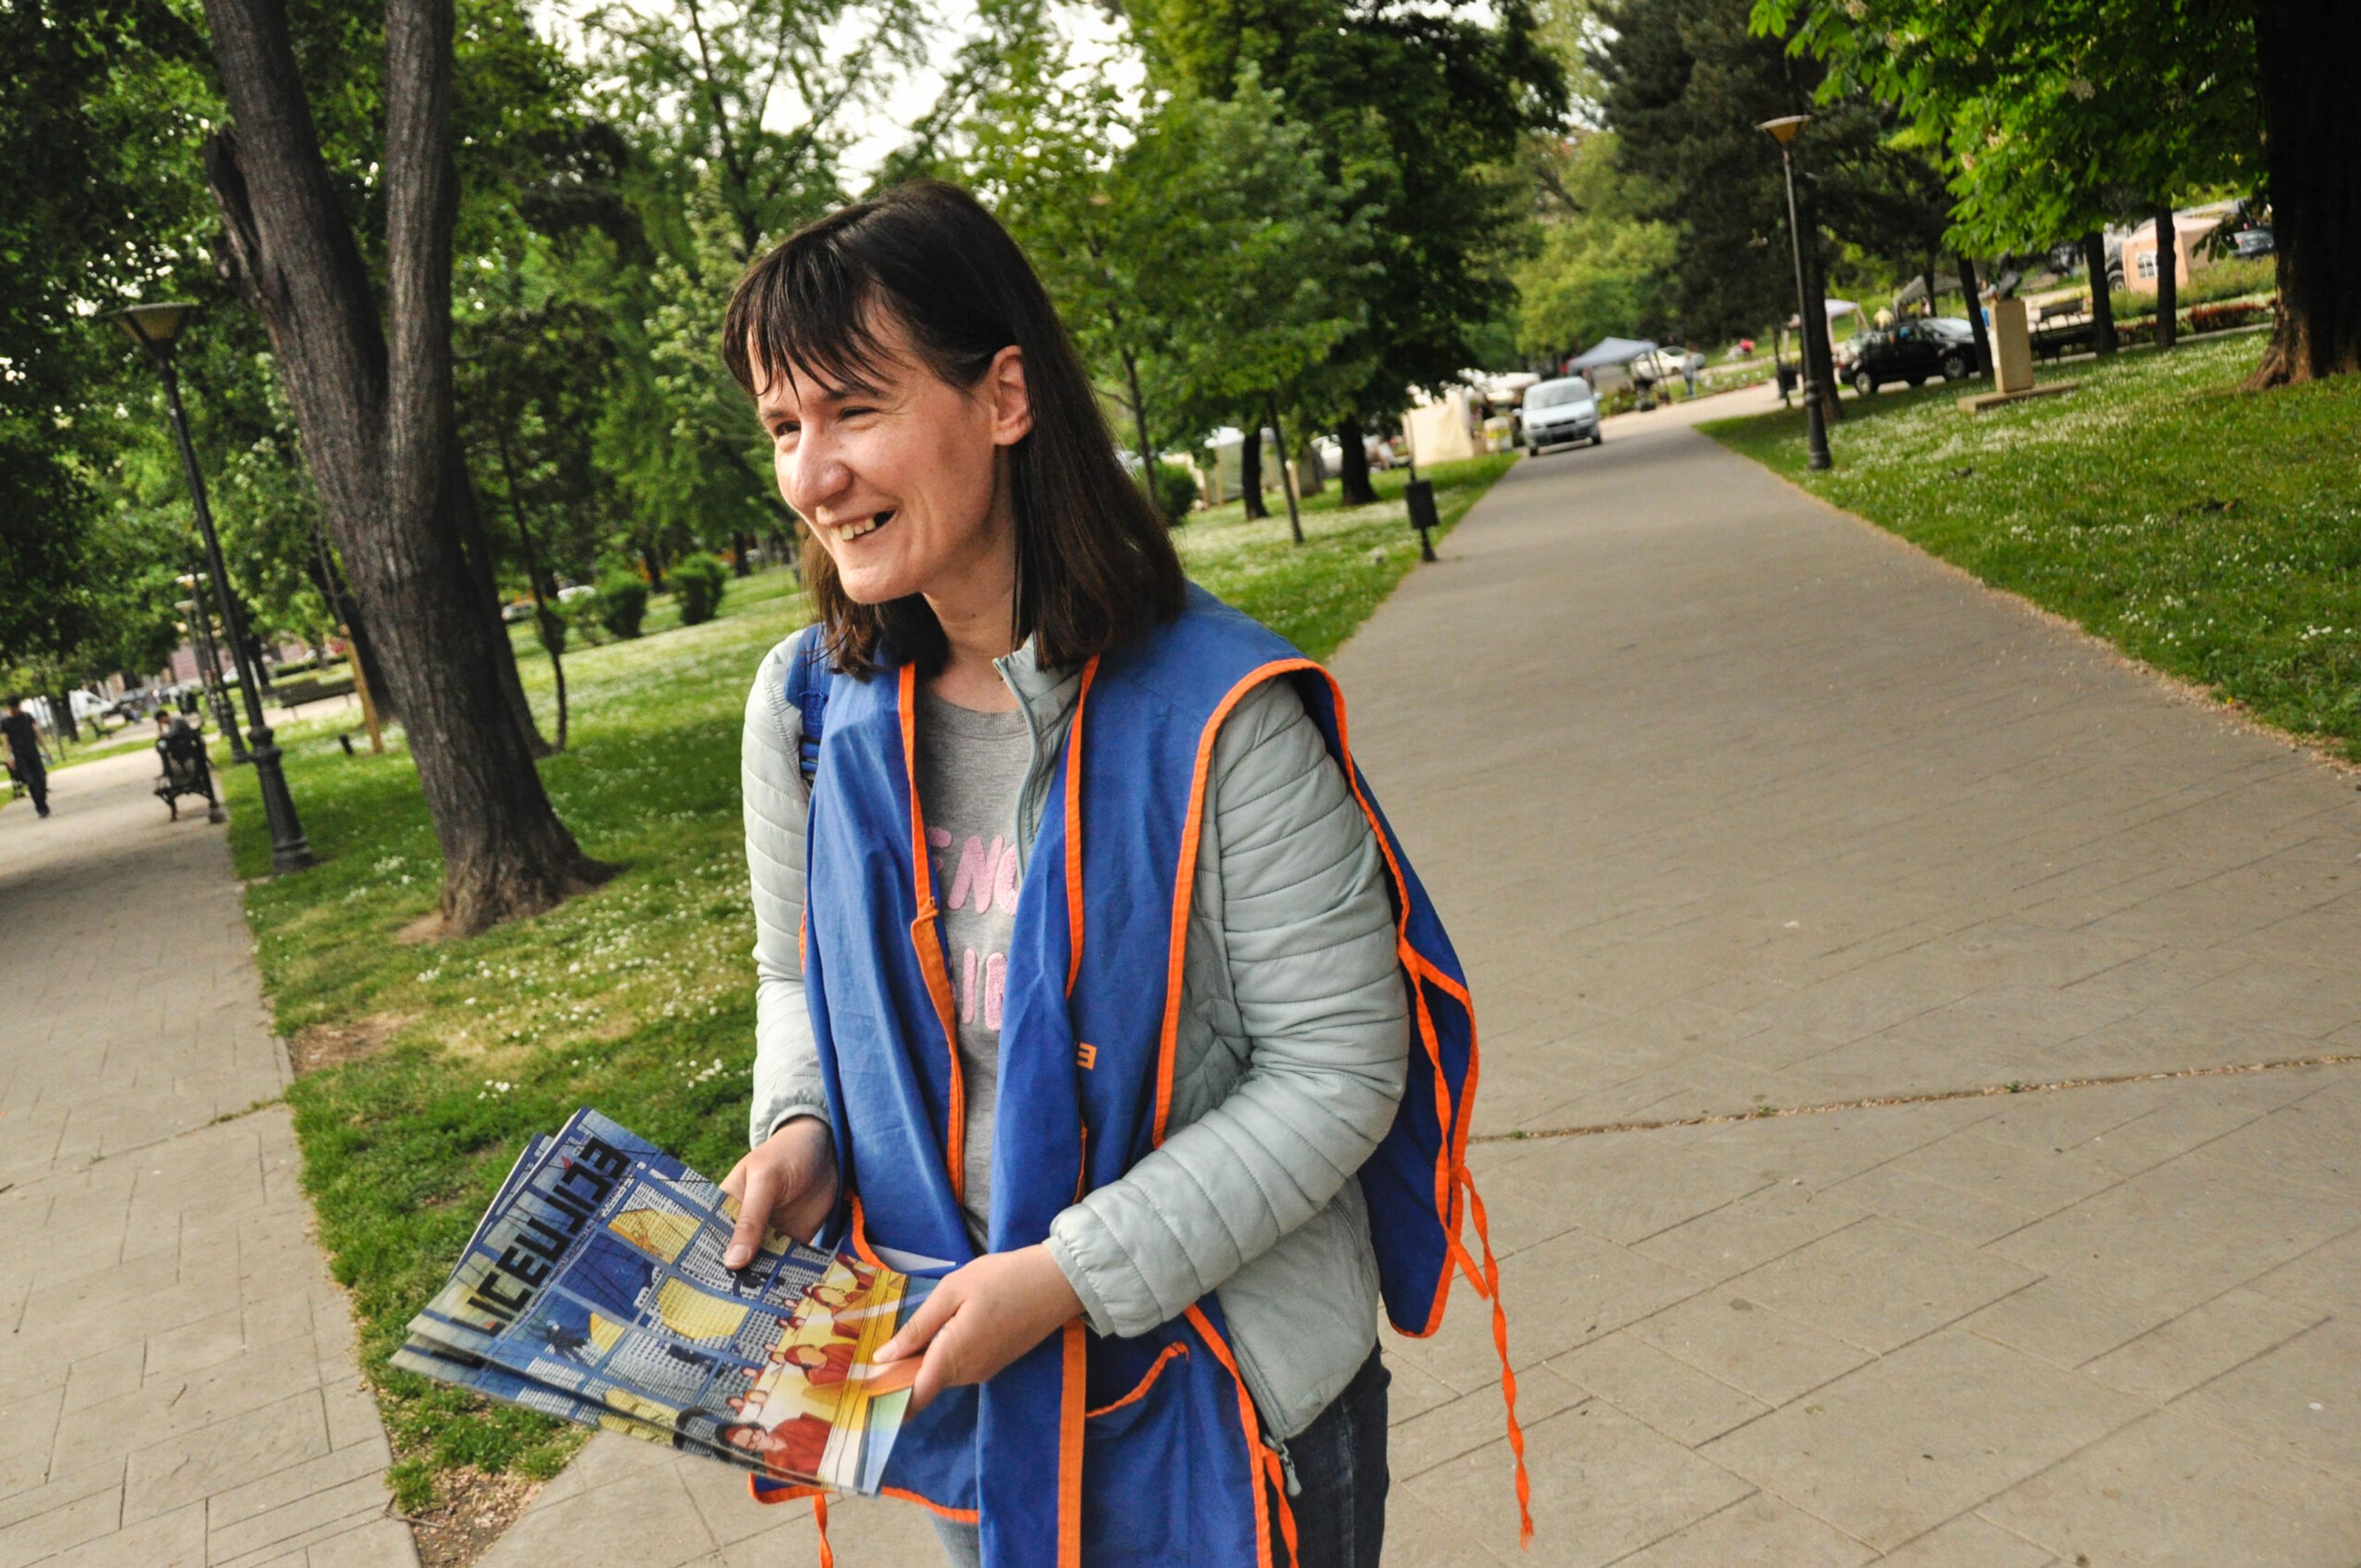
[1141, 1468]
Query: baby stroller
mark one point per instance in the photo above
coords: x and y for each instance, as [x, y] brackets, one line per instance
[187, 771]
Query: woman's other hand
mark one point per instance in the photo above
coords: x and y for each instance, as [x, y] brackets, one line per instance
[981, 1316]
[788, 1184]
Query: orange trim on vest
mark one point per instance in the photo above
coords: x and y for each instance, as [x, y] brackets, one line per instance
[858, 1231]
[1074, 827]
[957, 1516]
[927, 942]
[1263, 1464]
[1072, 1398]
[1154, 1370]
[1192, 827]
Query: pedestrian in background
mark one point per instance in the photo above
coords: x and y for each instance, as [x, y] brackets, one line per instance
[25, 753]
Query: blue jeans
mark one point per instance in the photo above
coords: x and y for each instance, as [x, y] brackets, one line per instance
[1340, 1472]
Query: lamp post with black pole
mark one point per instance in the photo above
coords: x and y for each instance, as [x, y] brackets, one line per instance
[209, 671]
[1816, 426]
[157, 328]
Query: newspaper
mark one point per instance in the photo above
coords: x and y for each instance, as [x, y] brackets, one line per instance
[593, 1290]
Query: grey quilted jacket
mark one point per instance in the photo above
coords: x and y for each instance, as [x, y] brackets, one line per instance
[1291, 1054]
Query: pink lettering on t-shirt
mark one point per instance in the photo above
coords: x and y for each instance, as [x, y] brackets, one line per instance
[979, 873]
[967, 987]
[1004, 875]
[995, 984]
[941, 838]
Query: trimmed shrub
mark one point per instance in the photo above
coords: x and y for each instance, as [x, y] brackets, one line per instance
[698, 583]
[621, 603]
[1174, 488]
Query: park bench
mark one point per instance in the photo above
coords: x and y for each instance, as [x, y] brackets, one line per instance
[292, 695]
[2063, 325]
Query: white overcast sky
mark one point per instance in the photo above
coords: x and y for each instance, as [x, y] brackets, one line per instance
[877, 130]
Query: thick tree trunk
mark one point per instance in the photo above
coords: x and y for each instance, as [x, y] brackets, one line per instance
[1970, 287]
[1250, 472]
[2167, 279]
[741, 554]
[62, 724]
[2309, 56]
[1353, 465]
[377, 420]
[2102, 304]
[345, 611]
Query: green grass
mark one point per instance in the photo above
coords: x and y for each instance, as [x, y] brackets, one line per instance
[638, 998]
[2213, 533]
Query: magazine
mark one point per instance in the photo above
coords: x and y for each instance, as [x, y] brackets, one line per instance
[593, 1290]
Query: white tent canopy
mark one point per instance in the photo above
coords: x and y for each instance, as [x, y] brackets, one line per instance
[1611, 351]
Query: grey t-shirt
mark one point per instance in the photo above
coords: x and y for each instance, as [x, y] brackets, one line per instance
[971, 768]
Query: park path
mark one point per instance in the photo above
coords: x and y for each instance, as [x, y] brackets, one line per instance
[177, 1383]
[1735, 804]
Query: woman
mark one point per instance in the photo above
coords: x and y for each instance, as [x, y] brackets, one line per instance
[1082, 959]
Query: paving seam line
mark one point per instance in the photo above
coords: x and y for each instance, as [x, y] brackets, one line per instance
[1934, 1097]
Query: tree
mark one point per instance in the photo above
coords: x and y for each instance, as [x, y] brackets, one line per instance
[2058, 114]
[1687, 83]
[1599, 269]
[1417, 110]
[1195, 249]
[373, 400]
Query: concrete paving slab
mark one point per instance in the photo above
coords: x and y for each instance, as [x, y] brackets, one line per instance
[187, 1419]
[1817, 818]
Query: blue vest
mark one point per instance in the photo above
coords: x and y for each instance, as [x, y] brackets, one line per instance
[1090, 1450]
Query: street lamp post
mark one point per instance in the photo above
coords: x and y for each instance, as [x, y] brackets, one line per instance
[1815, 425]
[157, 328]
[209, 679]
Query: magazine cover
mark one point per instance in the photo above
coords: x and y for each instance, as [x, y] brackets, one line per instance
[594, 1291]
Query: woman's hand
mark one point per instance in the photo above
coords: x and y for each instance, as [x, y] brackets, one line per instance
[788, 1184]
[981, 1316]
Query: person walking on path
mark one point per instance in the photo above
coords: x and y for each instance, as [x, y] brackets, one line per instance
[1088, 973]
[24, 758]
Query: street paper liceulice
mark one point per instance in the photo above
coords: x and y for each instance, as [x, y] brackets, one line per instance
[594, 1291]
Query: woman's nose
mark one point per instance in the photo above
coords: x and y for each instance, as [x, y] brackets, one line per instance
[814, 474]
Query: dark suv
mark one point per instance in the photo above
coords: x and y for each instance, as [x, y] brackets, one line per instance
[1912, 351]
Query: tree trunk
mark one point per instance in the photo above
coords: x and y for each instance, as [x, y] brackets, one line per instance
[62, 726]
[375, 408]
[1927, 281]
[1250, 472]
[2310, 57]
[482, 580]
[2102, 301]
[545, 621]
[1354, 488]
[742, 551]
[1970, 286]
[2167, 279]
[1819, 362]
[1286, 477]
[345, 611]
[653, 565]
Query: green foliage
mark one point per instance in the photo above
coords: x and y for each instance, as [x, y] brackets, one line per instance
[1176, 491]
[2211, 533]
[1686, 84]
[2053, 115]
[1417, 113]
[1601, 270]
[697, 583]
[622, 601]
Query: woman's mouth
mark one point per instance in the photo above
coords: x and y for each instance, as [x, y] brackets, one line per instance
[848, 532]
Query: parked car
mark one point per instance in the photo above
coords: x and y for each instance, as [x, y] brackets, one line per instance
[1556, 412]
[1912, 351]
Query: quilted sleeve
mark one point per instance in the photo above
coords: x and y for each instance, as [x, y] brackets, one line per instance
[787, 1081]
[1309, 928]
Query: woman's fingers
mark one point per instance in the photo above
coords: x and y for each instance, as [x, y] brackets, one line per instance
[927, 1320]
[759, 1191]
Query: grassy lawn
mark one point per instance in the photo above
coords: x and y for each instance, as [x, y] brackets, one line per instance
[2212, 534]
[432, 1065]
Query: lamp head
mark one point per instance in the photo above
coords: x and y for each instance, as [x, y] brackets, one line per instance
[1783, 129]
[156, 328]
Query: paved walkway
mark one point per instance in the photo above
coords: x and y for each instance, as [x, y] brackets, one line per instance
[177, 1384]
[1736, 804]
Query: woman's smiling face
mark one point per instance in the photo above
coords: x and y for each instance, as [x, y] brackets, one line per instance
[899, 477]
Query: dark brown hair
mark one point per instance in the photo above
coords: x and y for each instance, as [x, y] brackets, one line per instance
[1094, 564]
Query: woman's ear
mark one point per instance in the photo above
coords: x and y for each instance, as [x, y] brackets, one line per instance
[1011, 402]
